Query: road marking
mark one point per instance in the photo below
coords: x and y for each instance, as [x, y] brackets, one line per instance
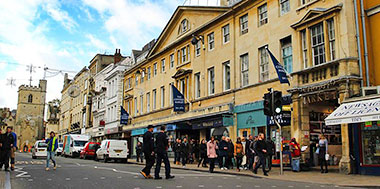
[102, 178]
[257, 186]
[238, 186]
[220, 186]
[119, 177]
[159, 187]
[291, 186]
[322, 186]
[7, 184]
[21, 172]
[30, 180]
[201, 186]
[85, 178]
[181, 177]
[307, 186]
[49, 179]
[274, 186]
[68, 178]
[135, 176]
[178, 186]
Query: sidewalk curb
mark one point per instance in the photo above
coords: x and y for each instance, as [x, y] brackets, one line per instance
[264, 177]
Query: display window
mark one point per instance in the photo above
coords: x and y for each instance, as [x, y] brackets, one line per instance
[370, 137]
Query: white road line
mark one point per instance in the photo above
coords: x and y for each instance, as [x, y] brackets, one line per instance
[291, 186]
[7, 184]
[68, 178]
[49, 179]
[201, 186]
[178, 186]
[238, 186]
[21, 172]
[85, 178]
[30, 180]
[274, 186]
[220, 186]
[257, 186]
[307, 186]
[102, 178]
[159, 187]
[119, 177]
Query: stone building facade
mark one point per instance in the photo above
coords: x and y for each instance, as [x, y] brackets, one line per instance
[30, 113]
[217, 58]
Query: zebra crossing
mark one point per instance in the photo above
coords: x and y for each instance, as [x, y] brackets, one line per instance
[33, 162]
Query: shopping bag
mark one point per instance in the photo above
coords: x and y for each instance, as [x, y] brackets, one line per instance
[327, 157]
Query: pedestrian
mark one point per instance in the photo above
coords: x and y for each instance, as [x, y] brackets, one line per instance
[148, 143]
[184, 152]
[13, 150]
[252, 149]
[223, 152]
[177, 151]
[261, 152]
[249, 153]
[322, 150]
[7, 141]
[139, 152]
[191, 151]
[202, 153]
[271, 149]
[211, 153]
[162, 146]
[239, 153]
[296, 155]
[1, 149]
[230, 154]
[244, 160]
[52, 146]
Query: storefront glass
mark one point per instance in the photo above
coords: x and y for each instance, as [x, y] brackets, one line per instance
[370, 132]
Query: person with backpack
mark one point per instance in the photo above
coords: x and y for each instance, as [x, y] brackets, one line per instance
[52, 146]
[296, 155]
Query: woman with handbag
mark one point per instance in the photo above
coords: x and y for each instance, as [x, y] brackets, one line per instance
[323, 152]
[239, 153]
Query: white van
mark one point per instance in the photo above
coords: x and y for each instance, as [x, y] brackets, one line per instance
[73, 144]
[39, 149]
[113, 150]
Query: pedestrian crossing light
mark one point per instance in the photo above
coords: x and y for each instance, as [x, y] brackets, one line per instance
[277, 102]
[268, 104]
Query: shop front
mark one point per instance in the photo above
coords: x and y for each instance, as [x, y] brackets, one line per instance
[216, 126]
[136, 136]
[362, 116]
[251, 119]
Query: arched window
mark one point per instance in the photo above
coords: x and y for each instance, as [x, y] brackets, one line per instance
[184, 27]
[30, 98]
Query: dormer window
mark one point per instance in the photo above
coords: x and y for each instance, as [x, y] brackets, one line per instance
[184, 27]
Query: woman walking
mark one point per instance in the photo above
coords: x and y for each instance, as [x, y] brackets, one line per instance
[322, 151]
[239, 153]
[211, 153]
[202, 153]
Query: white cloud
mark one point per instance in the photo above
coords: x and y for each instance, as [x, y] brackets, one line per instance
[53, 8]
[97, 43]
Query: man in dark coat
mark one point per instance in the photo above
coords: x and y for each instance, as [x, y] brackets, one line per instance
[184, 151]
[148, 149]
[261, 151]
[7, 140]
[271, 150]
[249, 153]
[162, 145]
[223, 152]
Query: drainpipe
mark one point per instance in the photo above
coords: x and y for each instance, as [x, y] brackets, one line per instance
[358, 41]
[365, 42]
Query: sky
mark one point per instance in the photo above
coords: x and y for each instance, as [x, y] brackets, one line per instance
[65, 35]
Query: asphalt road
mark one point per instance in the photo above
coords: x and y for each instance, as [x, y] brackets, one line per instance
[78, 173]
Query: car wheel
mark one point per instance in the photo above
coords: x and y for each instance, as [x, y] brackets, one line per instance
[125, 160]
[34, 157]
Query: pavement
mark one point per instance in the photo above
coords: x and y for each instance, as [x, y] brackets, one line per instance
[78, 173]
[313, 176]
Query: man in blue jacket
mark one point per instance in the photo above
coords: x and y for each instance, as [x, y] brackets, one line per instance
[52, 146]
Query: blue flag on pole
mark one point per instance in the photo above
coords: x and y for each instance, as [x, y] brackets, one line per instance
[282, 76]
[123, 116]
[178, 100]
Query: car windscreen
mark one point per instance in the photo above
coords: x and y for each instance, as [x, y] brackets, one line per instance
[78, 143]
[41, 145]
[92, 146]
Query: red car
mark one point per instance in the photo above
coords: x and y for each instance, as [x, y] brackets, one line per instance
[89, 150]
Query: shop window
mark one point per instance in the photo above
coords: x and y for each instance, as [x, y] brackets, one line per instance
[370, 132]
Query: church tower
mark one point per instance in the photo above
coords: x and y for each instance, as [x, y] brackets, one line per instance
[30, 113]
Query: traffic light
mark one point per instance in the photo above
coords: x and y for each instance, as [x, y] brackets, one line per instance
[268, 104]
[277, 102]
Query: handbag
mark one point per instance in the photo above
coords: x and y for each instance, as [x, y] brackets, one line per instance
[327, 156]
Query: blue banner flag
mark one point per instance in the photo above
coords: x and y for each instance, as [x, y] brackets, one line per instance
[123, 116]
[178, 100]
[282, 76]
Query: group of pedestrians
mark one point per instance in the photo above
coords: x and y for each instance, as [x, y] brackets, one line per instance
[156, 150]
[8, 147]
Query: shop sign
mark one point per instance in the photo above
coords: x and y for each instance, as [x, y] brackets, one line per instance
[138, 131]
[123, 116]
[320, 97]
[112, 130]
[251, 119]
[284, 119]
[208, 123]
[355, 112]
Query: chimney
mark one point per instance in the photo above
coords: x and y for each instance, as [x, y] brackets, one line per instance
[117, 56]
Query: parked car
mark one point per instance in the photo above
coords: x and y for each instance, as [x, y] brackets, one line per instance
[89, 150]
[60, 149]
[113, 150]
[73, 144]
[39, 149]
